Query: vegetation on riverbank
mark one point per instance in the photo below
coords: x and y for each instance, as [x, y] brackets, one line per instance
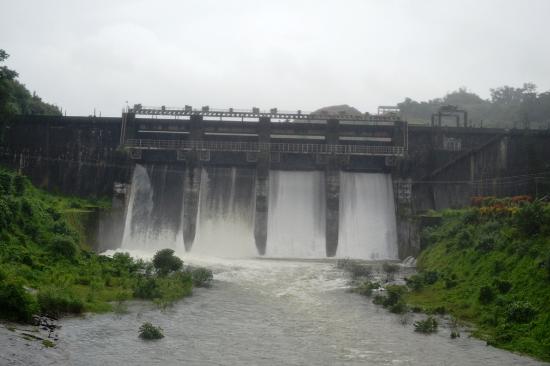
[487, 265]
[490, 265]
[45, 268]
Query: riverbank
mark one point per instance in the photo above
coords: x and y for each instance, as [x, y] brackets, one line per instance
[46, 267]
[487, 266]
[264, 312]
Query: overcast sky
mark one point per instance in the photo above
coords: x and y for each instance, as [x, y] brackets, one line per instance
[290, 54]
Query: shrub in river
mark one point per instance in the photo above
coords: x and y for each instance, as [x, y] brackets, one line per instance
[426, 326]
[486, 295]
[15, 302]
[520, 312]
[378, 299]
[202, 277]
[399, 308]
[165, 262]
[146, 288]
[394, 294]
[47, 343]
[55, 302]
[148, 331]
[366, 288]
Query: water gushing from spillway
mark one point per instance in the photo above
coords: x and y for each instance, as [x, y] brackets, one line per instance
[153, 216]
[225, 226]
[224, 214]
[367, 226]
[296, 217]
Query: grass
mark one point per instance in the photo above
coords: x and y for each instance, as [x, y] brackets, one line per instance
[47, 268]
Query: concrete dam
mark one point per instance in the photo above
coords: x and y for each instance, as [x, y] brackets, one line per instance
[249, 183]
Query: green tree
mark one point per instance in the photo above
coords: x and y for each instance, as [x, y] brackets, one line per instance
[15, 98]
[165, 262]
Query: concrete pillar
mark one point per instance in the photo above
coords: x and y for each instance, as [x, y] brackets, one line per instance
[128, 128]
[332, 190]
[191, 191]
[262, 185]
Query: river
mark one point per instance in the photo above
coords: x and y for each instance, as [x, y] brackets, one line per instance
[263, 312]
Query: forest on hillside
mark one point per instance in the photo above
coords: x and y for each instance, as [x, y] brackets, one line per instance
[508, 107]
[15, 98]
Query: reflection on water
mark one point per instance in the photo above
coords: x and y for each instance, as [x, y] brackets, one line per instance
[268, 312]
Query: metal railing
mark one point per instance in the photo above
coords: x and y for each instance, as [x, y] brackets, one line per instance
[274, 114]
[291, 148]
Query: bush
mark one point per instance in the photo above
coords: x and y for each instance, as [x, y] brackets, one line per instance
[530, 218]
[378, 299]
[148, 331]
[366, 288]
[485, 244]
[471, 217]
[430, 277]
[450, 283]
[146, 288]
[55, 302]
[5, 214]
[426, 326]
[202, 277]
[486, 295]
[415, 282]
[19, 184]
[16, 303]
[5, 183]
[503, 286]
[398, 308]
[165, 262]
[63, 246]
[520, 312]
[393, 296]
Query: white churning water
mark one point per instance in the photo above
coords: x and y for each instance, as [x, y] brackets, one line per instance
[296, 213]
[153, 214]
[225, 226]
[367, 217]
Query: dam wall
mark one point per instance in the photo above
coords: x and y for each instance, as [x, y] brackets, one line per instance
[430, 167]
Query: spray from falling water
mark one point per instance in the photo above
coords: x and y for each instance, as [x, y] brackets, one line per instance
[367, 217]
[296, 215]
[153, 215]
[225, 226]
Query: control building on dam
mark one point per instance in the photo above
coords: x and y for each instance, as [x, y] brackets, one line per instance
[344, 185]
